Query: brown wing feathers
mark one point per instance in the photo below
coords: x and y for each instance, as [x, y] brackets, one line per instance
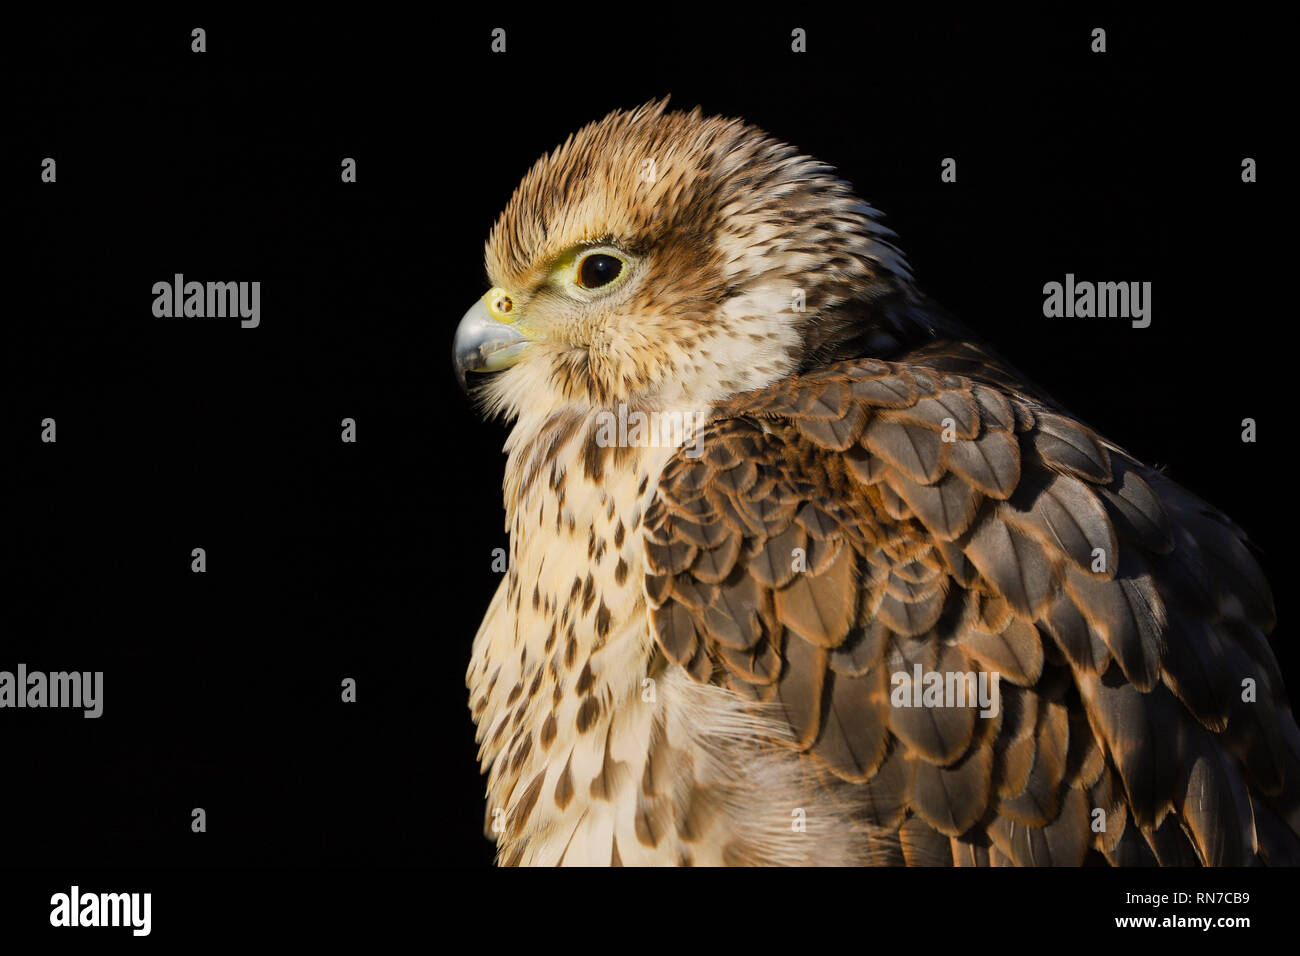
[850, 524]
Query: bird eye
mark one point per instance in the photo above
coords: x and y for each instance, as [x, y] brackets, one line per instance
[599, 269]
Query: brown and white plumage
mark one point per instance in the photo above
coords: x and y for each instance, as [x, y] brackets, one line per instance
[690, 657]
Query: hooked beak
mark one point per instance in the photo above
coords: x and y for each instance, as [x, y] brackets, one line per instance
[489, 337]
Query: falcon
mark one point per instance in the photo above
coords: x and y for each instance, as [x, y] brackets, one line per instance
[877, 600]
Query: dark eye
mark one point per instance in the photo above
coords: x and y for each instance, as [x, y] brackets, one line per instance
[598, 269]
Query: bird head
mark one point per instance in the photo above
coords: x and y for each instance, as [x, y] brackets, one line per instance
[667, 260]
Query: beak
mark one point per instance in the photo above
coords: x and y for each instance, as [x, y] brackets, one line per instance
[489, 337]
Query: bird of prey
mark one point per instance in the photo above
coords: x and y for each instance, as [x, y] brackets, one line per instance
[757, 639]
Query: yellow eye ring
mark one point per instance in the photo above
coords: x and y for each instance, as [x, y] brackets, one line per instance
[590, 270]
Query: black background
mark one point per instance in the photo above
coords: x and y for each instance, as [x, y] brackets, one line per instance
[373, 560]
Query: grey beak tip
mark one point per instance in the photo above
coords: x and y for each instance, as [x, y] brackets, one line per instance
[461, 378]
[482, 344]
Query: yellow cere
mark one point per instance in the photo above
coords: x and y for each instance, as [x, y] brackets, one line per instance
[500, 305]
